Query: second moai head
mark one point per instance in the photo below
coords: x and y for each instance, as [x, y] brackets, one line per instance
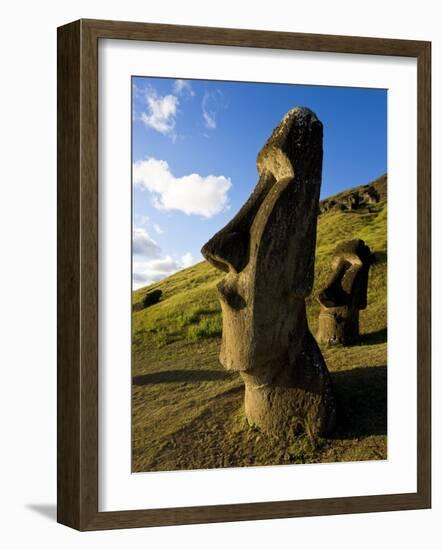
[344, 294]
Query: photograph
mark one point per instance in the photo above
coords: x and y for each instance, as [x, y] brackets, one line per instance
[259, 274]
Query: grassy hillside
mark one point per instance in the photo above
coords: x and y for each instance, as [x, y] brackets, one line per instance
[187, 411]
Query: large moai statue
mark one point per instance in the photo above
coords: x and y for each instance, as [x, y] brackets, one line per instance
[344, 294]
[268, 253]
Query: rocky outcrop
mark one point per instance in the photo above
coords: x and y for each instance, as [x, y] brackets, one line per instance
[359, 199]
[268, 252]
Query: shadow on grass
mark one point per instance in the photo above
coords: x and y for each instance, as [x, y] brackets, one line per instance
[376, 337]
[168, 376]
[361, 396]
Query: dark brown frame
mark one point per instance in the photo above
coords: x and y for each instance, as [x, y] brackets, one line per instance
[77, 225]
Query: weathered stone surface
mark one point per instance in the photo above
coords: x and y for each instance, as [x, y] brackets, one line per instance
[267, 251]
[344, 294]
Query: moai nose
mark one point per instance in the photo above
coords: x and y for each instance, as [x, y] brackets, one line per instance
[333, 295]
[228, 250]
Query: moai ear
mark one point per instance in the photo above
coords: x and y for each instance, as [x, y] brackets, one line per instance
[355, 281]
[283, 234]
[361, 287]
[351, 275]
[283, 238]
[367, 259]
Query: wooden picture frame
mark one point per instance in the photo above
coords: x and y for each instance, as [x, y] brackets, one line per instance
[78, 274]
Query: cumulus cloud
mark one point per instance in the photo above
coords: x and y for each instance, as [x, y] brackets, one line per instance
[192, 194]
[157, 269]
[143, 244]
[183, 87]
[187, 259]
[153, 270]
[149, 264]
[144, 222]
[161, 112]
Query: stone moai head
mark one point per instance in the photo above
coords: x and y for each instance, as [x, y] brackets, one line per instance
[345, 293]
[267, 251]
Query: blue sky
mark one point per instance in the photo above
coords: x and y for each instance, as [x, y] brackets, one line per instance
[194, 146]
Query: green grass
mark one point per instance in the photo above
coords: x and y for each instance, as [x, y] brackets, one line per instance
[208, 327]
[187, 411]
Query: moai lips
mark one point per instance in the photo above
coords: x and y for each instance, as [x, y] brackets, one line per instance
[267, 251]
[344, 294]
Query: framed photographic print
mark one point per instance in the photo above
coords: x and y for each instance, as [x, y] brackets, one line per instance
[243, 275]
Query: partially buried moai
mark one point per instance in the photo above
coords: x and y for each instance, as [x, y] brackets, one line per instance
[268, 252]
[344, 294]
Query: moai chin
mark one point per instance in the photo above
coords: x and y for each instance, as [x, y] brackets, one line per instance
[267, 251]
[344, 294]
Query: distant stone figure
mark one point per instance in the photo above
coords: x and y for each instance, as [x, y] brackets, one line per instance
[344, 294]
[268, 253]
[152, 297]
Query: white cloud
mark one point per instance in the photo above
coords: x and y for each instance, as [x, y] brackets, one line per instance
[209, 116]
[152, 271]
[141, 220]
[148, 263]
[139, 280]
[143, 244]
[192, 194]
[161, 113]
[187, 259]
[183, 87]
[162, 267]
[209, 105]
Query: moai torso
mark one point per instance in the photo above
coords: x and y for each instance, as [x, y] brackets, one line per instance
[267, 252]
[344, 294]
